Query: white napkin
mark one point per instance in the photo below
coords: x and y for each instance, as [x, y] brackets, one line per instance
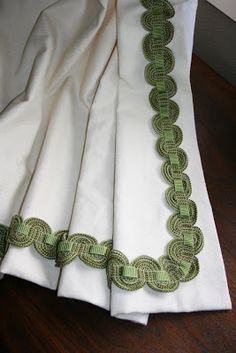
[141, 212]
[69, 58]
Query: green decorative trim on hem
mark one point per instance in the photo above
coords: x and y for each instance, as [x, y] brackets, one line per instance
[36, 232]
[180, 264]
[3, 242]
[86, 248]
[58, 246]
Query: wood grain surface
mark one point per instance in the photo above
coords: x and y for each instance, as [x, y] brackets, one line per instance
[33, 319]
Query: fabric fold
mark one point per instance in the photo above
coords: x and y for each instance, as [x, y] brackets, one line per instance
[81, 156]
[59, 94]
[141, 212]
[93, 208]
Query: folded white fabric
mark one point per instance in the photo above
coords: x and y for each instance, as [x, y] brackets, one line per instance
[70, 57]
[93, 209]
[79, 153]
[141, 212]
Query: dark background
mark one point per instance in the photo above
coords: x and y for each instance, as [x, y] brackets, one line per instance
[215, 40]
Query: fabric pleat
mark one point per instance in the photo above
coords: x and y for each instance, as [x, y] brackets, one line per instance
[141, 212]
[78, 149]
[59, 92]
[93, 209]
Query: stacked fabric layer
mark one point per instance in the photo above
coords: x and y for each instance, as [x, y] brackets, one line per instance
[101, 177]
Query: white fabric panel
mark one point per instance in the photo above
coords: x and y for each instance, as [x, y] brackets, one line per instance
[141, 211]
[93, 210]
[69, 60]
[78, 148]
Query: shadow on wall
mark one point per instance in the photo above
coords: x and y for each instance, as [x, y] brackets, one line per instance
[215, 40]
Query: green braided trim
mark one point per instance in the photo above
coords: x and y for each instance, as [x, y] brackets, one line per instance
[3, 240]
[180, 263]
[58, 246]
[64, 248]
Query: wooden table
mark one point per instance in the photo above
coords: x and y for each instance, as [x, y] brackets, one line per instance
[33, 319]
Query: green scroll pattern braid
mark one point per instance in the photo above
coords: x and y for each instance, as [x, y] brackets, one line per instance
[180, 263]
[58, 246]
[3, 240]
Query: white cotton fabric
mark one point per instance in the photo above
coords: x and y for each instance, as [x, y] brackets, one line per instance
[93, 209]
[52, 111]
[141, 212]
[78, 148]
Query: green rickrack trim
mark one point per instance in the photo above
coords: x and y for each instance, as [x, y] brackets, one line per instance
[180, 263]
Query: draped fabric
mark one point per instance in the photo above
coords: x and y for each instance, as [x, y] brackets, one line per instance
[77, 148]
